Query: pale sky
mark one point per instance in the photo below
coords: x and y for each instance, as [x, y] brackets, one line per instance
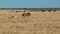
[29, 3]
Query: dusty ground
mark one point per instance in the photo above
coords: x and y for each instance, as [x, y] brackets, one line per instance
[37, 23]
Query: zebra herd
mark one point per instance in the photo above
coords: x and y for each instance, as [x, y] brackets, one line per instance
[24, 14]
[28, 13]
[49, 10]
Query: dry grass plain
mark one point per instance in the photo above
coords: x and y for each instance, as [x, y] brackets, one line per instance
[37, 23]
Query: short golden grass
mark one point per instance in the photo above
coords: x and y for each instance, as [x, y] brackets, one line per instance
[38, 23]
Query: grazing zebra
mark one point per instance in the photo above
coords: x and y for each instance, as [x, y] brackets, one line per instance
[11, 17]
[49, 10]
[26, 14]
[54, 10]
[43, 10]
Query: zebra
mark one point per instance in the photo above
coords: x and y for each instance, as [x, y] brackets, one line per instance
[43, 10]
[49, 10]
[54, 10]
[26, 14]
